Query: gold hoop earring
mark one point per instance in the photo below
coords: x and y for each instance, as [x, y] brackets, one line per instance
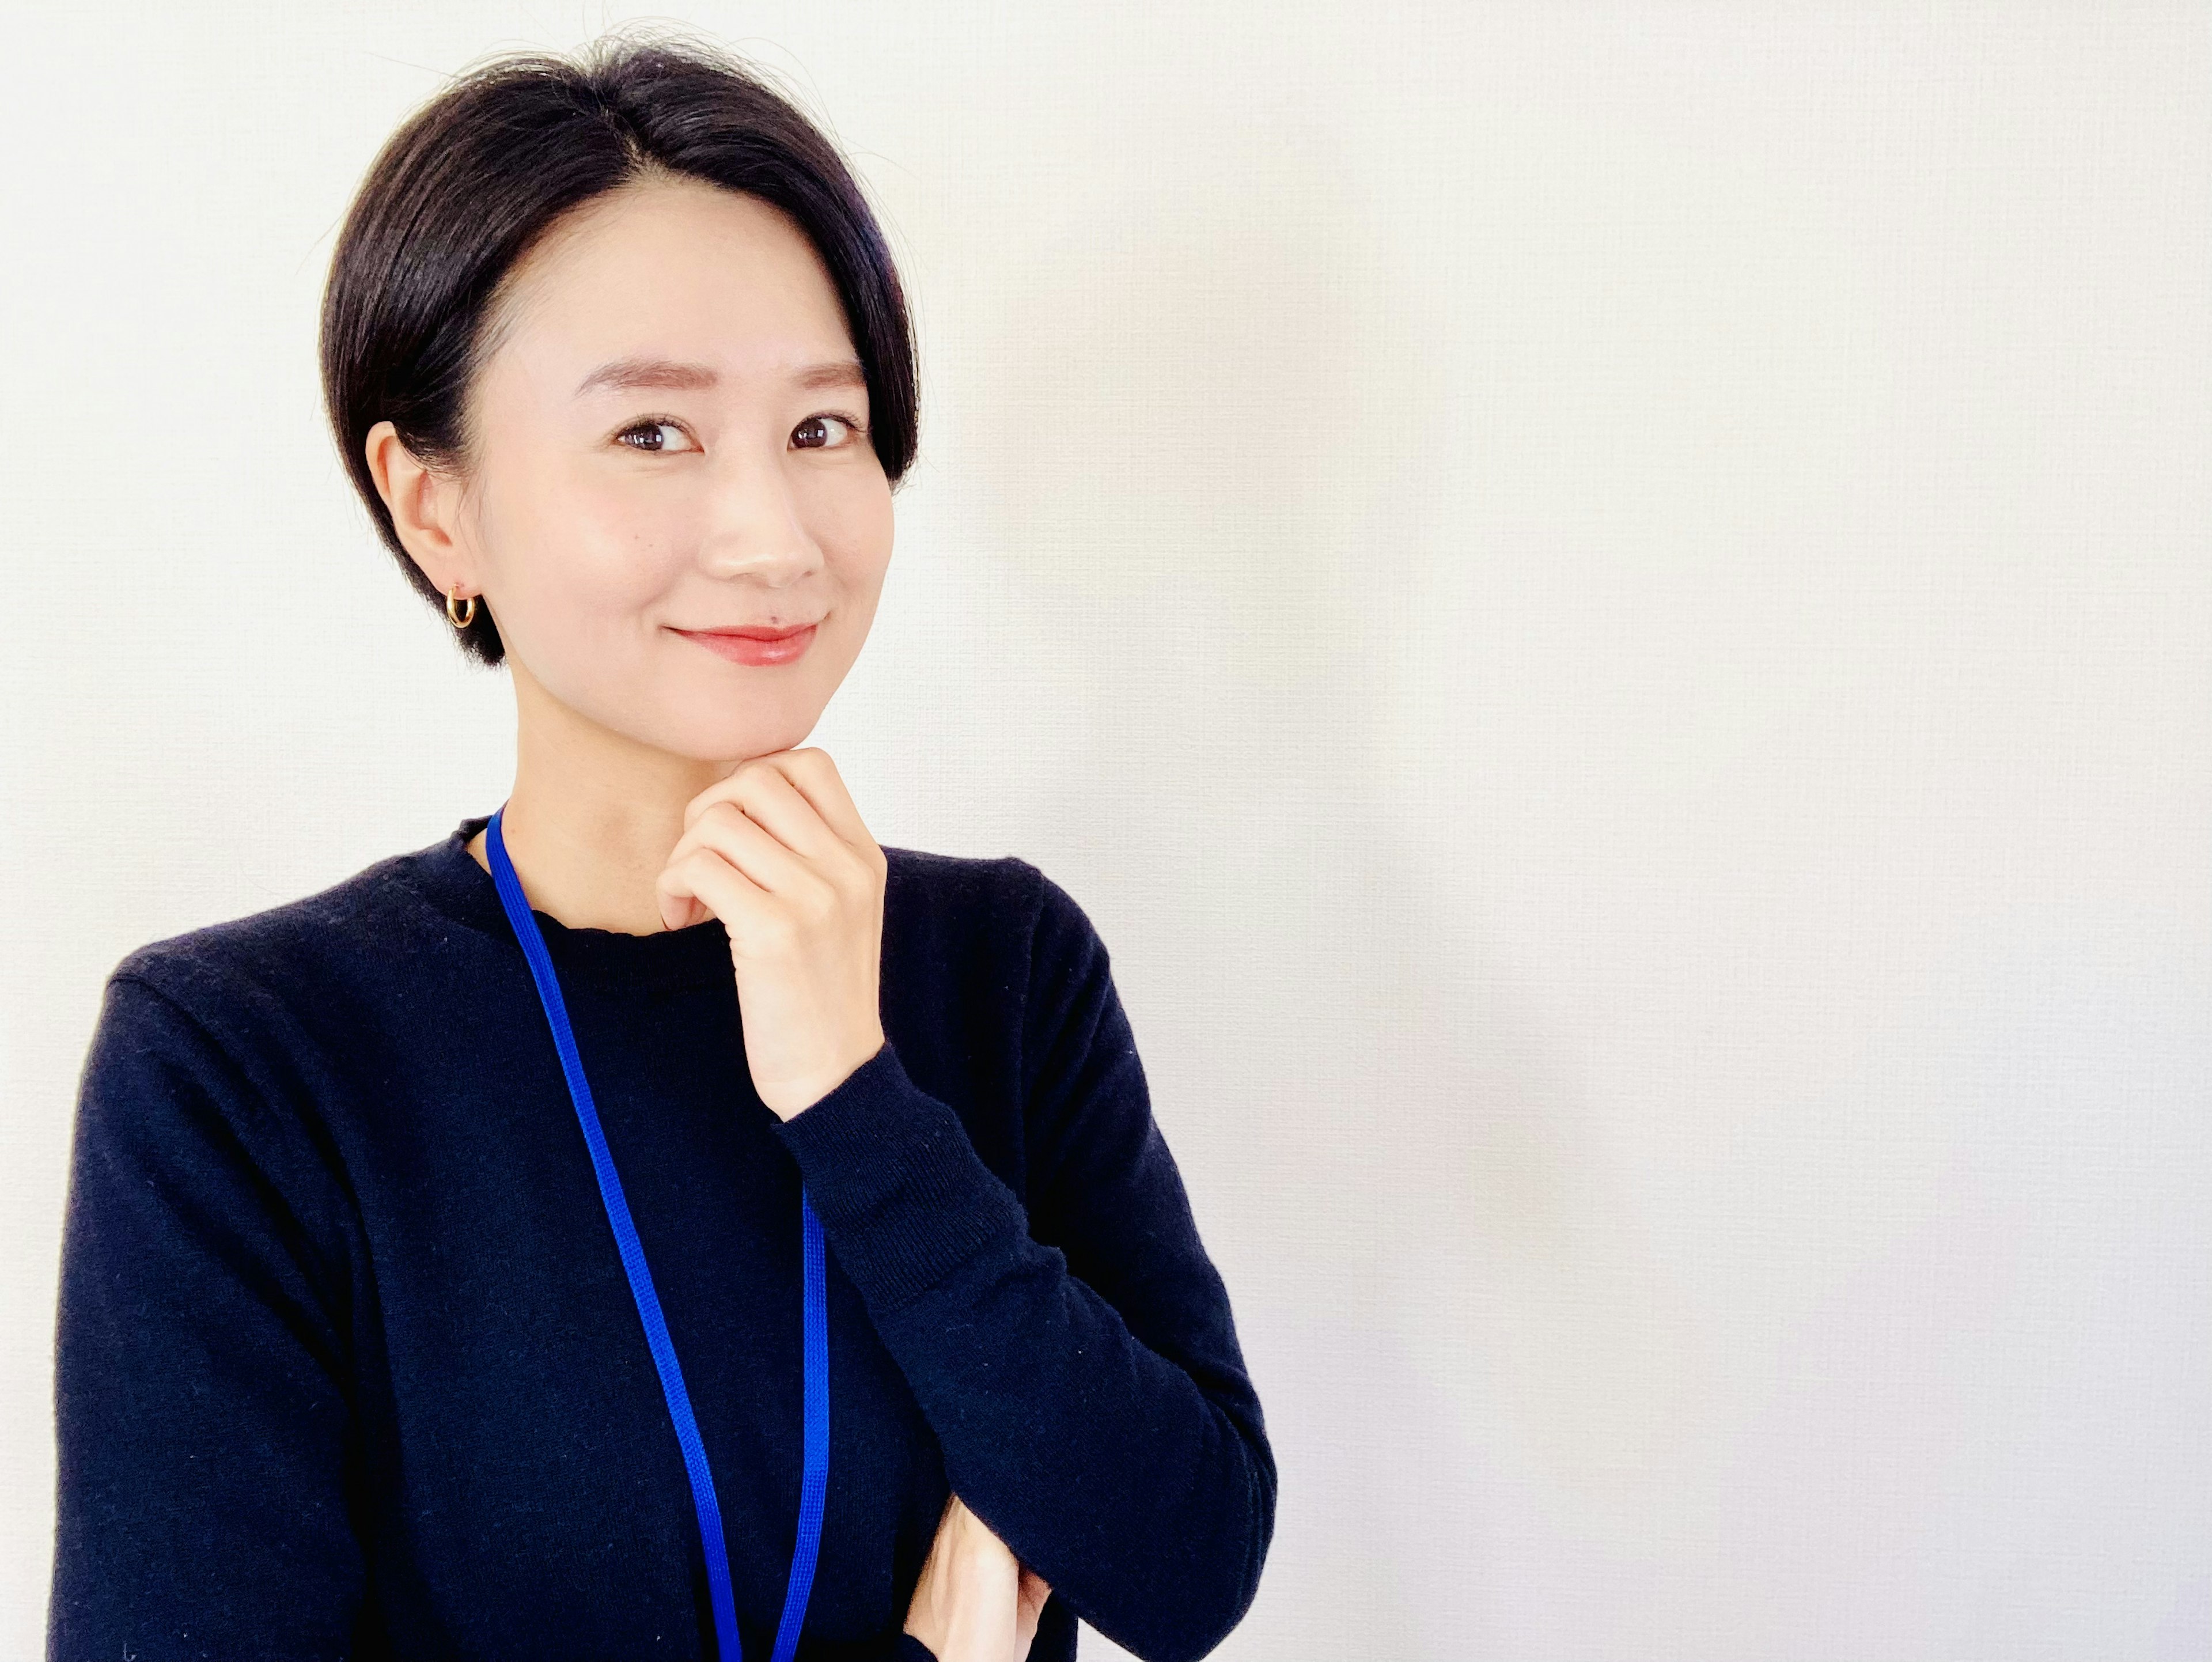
[459, 619]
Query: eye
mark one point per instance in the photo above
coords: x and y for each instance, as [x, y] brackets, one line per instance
[648, 436]
[813, 423]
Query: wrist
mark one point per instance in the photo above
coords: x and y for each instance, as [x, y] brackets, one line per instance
[789, 1101]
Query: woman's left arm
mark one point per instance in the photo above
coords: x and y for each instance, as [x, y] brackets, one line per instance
[1076, 1357]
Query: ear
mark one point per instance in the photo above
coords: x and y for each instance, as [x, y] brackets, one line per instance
[425, 508]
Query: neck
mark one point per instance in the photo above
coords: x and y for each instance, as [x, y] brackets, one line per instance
[593, 816]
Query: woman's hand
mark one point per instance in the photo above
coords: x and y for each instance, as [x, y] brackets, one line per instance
[778, 852]
[976, 1601]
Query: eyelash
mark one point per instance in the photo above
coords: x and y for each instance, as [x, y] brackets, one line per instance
[646, 424]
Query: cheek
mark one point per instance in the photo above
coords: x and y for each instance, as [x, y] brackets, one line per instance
[587, 556]
[854, 533]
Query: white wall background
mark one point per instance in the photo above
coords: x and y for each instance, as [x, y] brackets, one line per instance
[1608, 606]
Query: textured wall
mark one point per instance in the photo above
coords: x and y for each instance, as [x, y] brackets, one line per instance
[1608, 608]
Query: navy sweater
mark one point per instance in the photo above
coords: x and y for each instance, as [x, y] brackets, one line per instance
[347, 1364]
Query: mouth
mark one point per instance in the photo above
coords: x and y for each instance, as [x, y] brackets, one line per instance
[755, 645]
[754, 631]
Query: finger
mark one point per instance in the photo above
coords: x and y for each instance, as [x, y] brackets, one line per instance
[1029, 1601]
[743, 907]
[816, 777]
[771, 796]
[765, 793]
[985, 1552]
[746, 843]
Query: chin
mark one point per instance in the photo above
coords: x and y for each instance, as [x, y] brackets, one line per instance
[736, 742]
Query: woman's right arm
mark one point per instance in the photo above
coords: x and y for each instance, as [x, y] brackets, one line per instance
[200, 1404]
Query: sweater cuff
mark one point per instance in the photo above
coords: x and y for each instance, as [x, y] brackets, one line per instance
[902, 1195]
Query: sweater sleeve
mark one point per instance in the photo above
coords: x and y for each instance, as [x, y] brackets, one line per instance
[1076, 1359]
[199, 1413]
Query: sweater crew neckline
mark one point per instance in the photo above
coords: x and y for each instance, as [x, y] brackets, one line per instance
[447, 875]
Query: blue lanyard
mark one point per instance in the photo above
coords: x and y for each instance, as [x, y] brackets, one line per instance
[815, 1480]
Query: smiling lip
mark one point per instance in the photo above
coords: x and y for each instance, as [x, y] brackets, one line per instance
[754, 646]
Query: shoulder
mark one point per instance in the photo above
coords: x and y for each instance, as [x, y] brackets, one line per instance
[264, 1030]
[200, 1084]
[936, 881]
[1003, 934]
[1005, 903]
[219, 970]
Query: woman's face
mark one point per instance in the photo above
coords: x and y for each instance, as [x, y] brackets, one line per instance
[672, 438]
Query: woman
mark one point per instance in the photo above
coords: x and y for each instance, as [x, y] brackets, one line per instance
[656, 1220]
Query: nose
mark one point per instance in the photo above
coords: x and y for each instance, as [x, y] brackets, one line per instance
[755, 524]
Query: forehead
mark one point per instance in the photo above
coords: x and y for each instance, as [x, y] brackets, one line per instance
[669, 268]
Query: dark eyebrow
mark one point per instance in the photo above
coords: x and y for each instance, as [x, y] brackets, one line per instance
[625, 374]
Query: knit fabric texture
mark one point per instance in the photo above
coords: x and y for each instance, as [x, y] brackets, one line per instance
[347, 1365]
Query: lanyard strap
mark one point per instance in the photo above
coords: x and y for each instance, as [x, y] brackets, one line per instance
[815, 1478]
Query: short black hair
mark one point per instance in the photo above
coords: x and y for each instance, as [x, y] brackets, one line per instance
[477, 175]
